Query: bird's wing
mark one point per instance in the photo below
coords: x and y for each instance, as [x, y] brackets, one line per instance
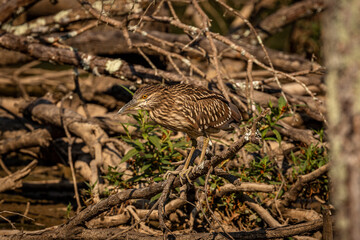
[211, 111]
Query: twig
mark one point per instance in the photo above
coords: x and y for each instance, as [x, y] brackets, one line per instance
[260, 42]
[131, 210]
[147, 59]
[16, 79]
[25, 212]
[208, 205]
[162, 200]
[171, 55]
[328, 226]
[77, 90]
[3, 166]
[250, 86]
[10, 212]
[158, 8]
[12, 225]
[88, 7]
[74, 33]
[206, 26]
[137, 222]
[69, 153]
[173, 13]
[291, 195]
[265, 215]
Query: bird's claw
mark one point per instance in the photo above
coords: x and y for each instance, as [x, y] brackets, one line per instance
[183, 174]
[186, 173]
[201, 165]
[168, 173]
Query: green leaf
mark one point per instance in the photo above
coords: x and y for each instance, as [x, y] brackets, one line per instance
[149, 155]
[166, 132]
[270, 104]
[145, 136]
[270, 139]
[180, 144]
[158, 179]
[264, 132]
[156, 142]
[170, 146]
[129, 155]
[165, 161]
[145, 167]
[156, 197]
[139, 144]
[251, 148]
[126, 130]
[128, 90]
[281, 103]
[258, 107]
[277, 134]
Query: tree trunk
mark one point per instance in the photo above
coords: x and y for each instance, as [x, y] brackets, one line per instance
[342, 53]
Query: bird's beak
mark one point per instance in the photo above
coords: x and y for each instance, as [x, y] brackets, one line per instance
[129, 106]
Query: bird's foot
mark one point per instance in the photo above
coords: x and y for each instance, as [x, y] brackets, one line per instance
[168, 173]
[201, 165]
[184, 174]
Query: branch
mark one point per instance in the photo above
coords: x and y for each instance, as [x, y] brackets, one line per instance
[98, 65]
[11, 8]
[289, 14]
[14, 180]
[39, 137]
[291, 195]
[106, 233]
[244, 187]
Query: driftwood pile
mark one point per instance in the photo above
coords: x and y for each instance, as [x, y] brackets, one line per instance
[60, 83]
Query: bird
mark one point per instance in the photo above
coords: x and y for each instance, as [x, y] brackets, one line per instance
[187, 108]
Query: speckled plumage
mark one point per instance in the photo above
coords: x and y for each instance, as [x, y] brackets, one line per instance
[187, 108]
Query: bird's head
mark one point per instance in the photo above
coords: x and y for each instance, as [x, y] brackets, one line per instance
[145, 98]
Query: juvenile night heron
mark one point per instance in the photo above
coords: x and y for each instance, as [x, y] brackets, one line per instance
[193, 110]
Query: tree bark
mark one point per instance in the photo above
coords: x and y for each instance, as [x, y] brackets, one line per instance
[342, 52]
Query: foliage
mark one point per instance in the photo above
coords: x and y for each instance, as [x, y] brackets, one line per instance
[311, 158]
[270, 121]
[154, 151]
[69, 208]
[152, 154]
[262, 169]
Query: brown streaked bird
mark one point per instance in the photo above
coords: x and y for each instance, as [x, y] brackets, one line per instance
[193, 110]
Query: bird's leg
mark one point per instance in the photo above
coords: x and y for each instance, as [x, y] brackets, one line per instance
[185, 169]
[203, 151]
[191, 153]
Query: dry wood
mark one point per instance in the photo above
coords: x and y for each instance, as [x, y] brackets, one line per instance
[9, 8]
[106, 233]
[14, 180]
[99, 65]
[244, 187]
[265, 215]
[38, 137]
[291, 195]
[149, 52]
[289, 14]
[300, 215]
[90, 212]
[44, 111]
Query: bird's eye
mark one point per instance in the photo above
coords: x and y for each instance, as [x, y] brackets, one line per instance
[144, 96]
